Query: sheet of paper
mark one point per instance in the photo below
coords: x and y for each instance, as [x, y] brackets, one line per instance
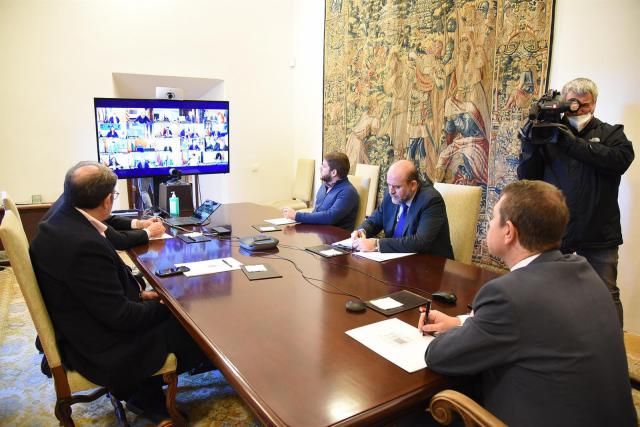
[396, 341]
[211, 266]
[164, 236]
[268, 228]
[331, 252]
[381, 257]
[193, 234]
[255, 268]
[386, 303]
[280, 221]
[346, 243]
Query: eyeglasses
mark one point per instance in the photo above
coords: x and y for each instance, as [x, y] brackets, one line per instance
[115, 195]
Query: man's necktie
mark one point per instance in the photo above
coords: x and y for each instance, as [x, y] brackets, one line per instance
[400, 224]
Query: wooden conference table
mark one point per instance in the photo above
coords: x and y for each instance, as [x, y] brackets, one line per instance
[281, 343]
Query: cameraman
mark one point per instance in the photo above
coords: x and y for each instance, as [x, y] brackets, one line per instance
[585, 161]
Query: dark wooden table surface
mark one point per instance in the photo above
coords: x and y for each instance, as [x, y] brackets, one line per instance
[281, 342]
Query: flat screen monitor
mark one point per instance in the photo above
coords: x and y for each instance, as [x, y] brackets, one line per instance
[148, 137]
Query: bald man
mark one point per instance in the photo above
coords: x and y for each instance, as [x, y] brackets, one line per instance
[412, 215]
[107, 330]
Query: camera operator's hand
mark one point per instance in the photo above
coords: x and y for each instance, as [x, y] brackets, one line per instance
[524, 133]
[567, 134]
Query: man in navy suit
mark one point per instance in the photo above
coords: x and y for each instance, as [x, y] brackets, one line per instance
[545, 338]
[412, 215]
[337, 200]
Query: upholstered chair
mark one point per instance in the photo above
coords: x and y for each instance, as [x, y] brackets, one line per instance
[68, 384]
[463, 209]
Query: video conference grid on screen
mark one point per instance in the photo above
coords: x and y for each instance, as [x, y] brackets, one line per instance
[148, 137]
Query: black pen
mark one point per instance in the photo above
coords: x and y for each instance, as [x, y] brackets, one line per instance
[426, 315]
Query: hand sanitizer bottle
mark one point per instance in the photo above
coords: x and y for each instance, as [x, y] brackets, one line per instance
[174, 205]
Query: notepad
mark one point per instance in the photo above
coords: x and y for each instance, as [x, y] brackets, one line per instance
[280, 221]
[396, 302]
[327, 251]
[266, 228]
[260, 272]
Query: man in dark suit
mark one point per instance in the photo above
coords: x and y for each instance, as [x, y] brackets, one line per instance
[545, 337]
[107, 329]
[122, 232]
[412, 215]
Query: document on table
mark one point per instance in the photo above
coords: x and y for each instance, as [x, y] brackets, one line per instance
[211, 266]
[396, 341]
[381, 257]
[164, 236]
[280, 221]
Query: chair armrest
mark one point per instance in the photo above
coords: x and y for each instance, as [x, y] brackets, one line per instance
[445, 403]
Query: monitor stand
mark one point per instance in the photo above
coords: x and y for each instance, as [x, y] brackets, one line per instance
[183, 191]
[145, 194]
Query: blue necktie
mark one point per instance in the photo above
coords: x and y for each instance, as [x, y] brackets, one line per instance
[400, 224]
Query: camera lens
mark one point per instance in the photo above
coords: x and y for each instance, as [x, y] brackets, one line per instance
[170, 95]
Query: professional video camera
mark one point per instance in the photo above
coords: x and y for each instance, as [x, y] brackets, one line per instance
[544, 118]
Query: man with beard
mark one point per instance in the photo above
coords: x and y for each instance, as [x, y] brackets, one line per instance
[337, 200]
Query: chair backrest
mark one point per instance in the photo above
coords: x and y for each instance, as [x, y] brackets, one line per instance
[362, 185]
[373, 172]
[9, 205]
[15, 243]
[303, 186]
[463, 209]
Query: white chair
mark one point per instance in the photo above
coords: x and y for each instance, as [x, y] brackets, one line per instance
[67, 384]
[362, 185]
[463, 209]
[373, 173]
[302, 188]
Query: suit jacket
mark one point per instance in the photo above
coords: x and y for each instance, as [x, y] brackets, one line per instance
[119, 231]
[121, 235]
[103, 329]
[548, 344]
[426, 226]
[338, 207]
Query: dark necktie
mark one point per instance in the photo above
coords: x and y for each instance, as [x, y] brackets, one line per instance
[400, 224]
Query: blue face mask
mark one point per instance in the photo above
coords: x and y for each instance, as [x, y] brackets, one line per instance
[579, 122]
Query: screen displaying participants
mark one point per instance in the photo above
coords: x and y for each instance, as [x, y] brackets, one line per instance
[140, 138]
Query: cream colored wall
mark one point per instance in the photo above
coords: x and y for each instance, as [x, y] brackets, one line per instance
[57, 56]
[599, 40]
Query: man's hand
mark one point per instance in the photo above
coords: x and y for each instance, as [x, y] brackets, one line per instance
[155, 229]
[144, 223]
[289, 213]
[438, 322]
[358, 234]
[149, 295]
[524, 134]
[364, 245]
[566, 133]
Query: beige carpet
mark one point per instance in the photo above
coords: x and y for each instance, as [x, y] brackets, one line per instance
[27, 397]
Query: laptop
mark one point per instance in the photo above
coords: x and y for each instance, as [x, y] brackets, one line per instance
[201, 214]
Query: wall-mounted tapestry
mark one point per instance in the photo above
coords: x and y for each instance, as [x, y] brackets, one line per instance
[445, 83]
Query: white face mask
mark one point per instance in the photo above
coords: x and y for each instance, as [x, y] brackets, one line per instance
[579, 122]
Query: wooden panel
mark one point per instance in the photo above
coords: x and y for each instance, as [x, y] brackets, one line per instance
[30, 216]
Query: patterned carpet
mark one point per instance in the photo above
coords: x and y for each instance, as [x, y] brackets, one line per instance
[27, 397]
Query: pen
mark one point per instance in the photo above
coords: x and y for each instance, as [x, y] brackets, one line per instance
[426, 314]
[225, 261]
